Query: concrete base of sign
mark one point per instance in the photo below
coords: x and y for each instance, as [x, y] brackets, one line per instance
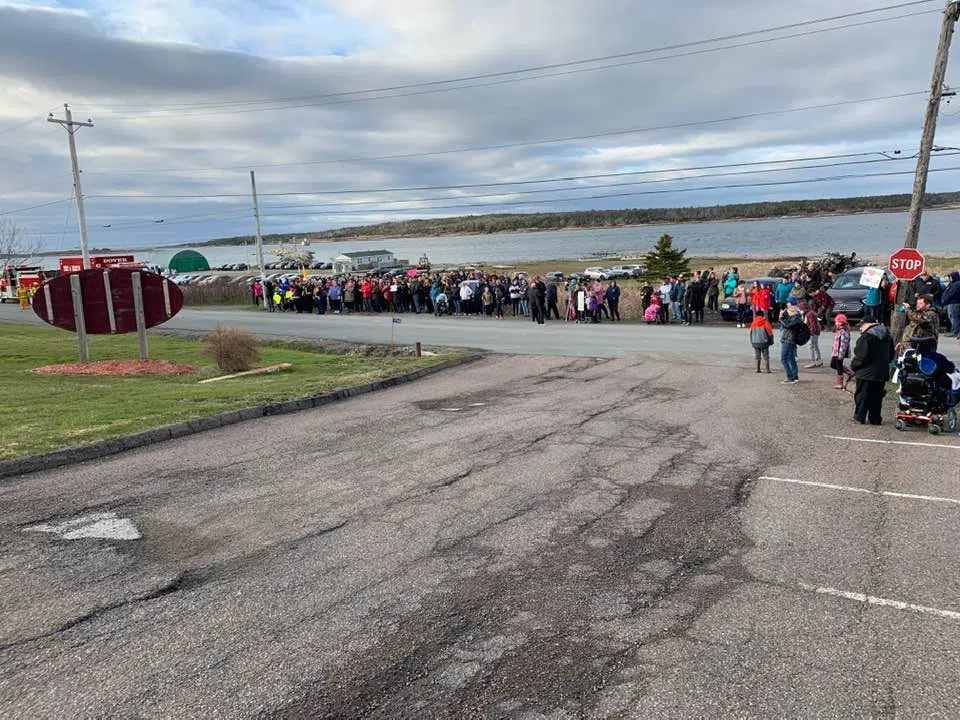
[70, 456]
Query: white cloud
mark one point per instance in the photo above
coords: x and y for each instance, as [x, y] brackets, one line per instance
[182, 54]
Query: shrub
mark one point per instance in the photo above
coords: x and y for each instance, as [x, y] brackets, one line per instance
[233, 350]
[631, 304]
[217, 293]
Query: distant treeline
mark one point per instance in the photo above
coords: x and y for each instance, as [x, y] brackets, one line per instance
[519, 222]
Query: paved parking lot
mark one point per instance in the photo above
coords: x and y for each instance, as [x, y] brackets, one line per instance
[646, 536]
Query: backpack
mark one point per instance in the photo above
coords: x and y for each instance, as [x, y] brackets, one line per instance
[759, 338]
[801, 334]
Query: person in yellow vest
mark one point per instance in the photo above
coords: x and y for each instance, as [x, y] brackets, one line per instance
[277, 299]
[23, 294]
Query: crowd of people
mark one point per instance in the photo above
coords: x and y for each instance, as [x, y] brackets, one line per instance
[801, 321]
[456, 293]
[798, 304]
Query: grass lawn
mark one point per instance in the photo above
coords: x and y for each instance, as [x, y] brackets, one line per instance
[43, 413]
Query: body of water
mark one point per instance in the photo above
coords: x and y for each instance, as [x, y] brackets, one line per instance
[871, 236]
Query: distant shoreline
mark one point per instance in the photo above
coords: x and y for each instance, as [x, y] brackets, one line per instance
[579, 228]
[531, 231]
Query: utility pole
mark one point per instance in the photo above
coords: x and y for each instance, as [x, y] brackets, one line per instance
[72, 126]
[256, 215]
[950, 16]
[898, 319]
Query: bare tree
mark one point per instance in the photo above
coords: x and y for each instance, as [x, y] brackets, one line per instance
[16, 246]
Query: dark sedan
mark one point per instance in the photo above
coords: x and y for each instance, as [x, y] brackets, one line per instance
[848, 294]
[728, 308]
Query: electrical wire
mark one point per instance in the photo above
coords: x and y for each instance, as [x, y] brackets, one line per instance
[670, 191]
[528, 143]
[33, 207]
[248, 104]
[781, 183]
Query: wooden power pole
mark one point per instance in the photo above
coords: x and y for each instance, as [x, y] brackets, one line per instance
[950, 16]
[951, 13]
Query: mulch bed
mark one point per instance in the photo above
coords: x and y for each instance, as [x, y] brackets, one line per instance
[116, 368]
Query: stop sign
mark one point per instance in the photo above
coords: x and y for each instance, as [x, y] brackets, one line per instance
[906, 264]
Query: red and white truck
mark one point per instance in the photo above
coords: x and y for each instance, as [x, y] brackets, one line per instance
[29, 277]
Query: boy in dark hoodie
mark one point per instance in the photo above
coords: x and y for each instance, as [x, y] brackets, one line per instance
[872, 356]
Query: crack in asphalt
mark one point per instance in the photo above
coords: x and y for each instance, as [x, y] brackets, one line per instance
[173, 585]
[700, 527]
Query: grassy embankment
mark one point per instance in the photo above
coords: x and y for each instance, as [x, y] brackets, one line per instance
[43, 413]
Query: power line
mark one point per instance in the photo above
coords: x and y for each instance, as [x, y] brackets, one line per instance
[552, 66]
[34, 207]
[319, 210]
[528, 143]
[606, 185]
[502, 81]
[503, 183]
[757, 163]
[835, 178]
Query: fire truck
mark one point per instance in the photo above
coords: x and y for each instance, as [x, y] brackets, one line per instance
[75, 264]
[30, 277]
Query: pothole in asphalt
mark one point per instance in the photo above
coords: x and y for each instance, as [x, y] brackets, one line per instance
[106, 526]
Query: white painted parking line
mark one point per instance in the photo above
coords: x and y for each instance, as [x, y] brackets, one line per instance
[942, 446]
[883, 602]
[866, 491]
[452, 409]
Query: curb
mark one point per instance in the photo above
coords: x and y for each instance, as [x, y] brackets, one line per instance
[82, 453]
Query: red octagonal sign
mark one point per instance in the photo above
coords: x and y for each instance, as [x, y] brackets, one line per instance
[906, 264]
[108, 302]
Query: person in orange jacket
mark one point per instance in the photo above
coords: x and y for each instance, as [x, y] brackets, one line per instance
[761, 338]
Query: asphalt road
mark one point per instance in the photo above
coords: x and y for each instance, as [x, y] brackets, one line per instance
[529, 537]
[714, 343]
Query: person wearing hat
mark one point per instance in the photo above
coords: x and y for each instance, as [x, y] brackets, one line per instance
[872, 356]
[841, 351]
[790, 319]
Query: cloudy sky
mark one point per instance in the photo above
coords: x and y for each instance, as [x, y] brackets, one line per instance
[345, 109]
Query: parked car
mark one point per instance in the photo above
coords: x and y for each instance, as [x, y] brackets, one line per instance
[848, 294]
[728, 308]
[597, 273]
[554, 275]
[628, 270]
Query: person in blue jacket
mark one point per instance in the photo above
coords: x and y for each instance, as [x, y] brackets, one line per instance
[871, 304]
[781, 295]
[951, 303]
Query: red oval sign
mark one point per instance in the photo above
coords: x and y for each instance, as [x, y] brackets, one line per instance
[103, 291]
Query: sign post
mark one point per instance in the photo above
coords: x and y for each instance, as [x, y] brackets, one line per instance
[396, 321]
[78, 317]
[138, 312]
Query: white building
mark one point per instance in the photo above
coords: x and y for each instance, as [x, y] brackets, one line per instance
[365, 260]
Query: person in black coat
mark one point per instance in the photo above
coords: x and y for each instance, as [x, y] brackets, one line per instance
[872, 356]
[552, 297]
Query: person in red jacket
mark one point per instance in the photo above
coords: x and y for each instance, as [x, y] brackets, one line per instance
[761, 338]
[762, 300]
[366, 292]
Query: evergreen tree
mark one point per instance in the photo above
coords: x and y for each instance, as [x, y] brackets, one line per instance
[664, 260]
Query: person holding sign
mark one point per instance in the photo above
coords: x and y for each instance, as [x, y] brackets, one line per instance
[871, 278]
